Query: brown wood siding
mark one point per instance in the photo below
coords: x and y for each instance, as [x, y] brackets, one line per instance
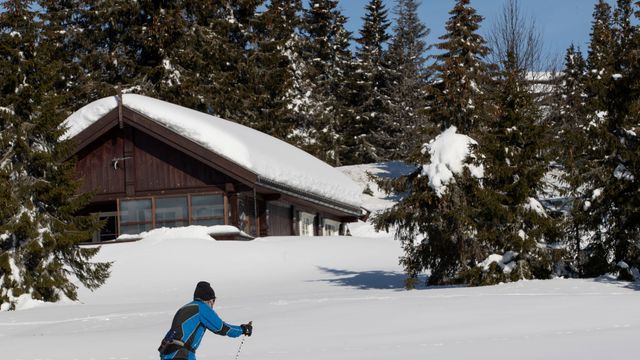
[189, 147]
[279, 220]
[161, 167]
[96, 165]
[127, 163]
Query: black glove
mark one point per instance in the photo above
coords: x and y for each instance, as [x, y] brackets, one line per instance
[247, 329]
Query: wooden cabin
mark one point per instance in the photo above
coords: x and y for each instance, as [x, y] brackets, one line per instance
[155, 164]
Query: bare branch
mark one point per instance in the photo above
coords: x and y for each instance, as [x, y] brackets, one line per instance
[515, 34]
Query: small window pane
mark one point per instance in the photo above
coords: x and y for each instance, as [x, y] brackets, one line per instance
[135, 211]
[207, 206]
[171, 212]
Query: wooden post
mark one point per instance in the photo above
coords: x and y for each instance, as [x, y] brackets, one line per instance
[295, 227]
[255, 214]
[129, 163]
[120, 122]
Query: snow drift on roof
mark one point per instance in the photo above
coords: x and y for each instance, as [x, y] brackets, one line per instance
[264, 155]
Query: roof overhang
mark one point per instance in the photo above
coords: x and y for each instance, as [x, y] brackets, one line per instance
[311, 197]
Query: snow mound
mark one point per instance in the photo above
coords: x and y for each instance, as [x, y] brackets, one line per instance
[192, 231]
[449, 151]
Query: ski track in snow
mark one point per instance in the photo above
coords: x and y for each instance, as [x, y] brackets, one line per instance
[97, 318]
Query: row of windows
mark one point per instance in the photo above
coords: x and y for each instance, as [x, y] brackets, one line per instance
[307, 225]
[138, 215]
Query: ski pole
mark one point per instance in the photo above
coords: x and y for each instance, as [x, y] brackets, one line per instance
[241, 343]
[240, 348]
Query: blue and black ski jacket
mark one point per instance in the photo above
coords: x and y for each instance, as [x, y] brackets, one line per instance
[188, 327]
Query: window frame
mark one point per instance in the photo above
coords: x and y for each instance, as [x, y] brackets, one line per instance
[119, 210]
[224, 209]
[330, 223]
[190, 218]
[302, 216]
[155, 209]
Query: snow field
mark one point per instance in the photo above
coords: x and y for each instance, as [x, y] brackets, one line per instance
[321, 298]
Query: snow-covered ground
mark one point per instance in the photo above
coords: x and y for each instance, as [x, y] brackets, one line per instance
[321, 298]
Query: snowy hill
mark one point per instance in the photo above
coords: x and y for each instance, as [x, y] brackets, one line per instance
[321, 298]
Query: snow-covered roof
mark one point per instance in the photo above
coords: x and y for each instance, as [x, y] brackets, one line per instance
[269, 158]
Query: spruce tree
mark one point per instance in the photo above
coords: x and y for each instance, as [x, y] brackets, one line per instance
[407, 60]
[514, 155]
[371, 135]
[230, 45]
[328, 66]
[149, 48]
[514, 166]
[40, 229]
[461, 72]
[600, 58]
[611, 212]
[623, 121]
[571, 145]
[273, 65]
[597, 81]
[108, 40]
[439, 230]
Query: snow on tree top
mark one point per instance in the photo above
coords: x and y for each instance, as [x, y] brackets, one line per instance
[448, 152]
[264, 155]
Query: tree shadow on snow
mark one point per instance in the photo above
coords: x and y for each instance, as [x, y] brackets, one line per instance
[392, 170]
[369, 280]
[634, 285]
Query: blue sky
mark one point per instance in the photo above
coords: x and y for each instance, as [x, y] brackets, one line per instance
[561, 22]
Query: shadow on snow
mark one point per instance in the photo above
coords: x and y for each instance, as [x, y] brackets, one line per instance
[369, 280]
[633, 285]
[393, 170]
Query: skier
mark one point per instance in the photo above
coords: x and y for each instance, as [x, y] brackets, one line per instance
[191, 321]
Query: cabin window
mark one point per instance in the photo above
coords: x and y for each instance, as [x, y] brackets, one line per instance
[207, 210]
[135, 216]
[172, 212]
[331, 227]
[307, 224]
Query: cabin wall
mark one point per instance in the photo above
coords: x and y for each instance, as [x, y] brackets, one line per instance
[128, 162]
[97, 165]
[160, 167]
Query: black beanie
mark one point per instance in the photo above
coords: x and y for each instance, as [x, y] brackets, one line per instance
[204, 292]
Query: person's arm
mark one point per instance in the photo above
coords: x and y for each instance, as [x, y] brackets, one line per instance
[214, 323]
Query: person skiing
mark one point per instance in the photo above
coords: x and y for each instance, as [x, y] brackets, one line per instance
[190, 323]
